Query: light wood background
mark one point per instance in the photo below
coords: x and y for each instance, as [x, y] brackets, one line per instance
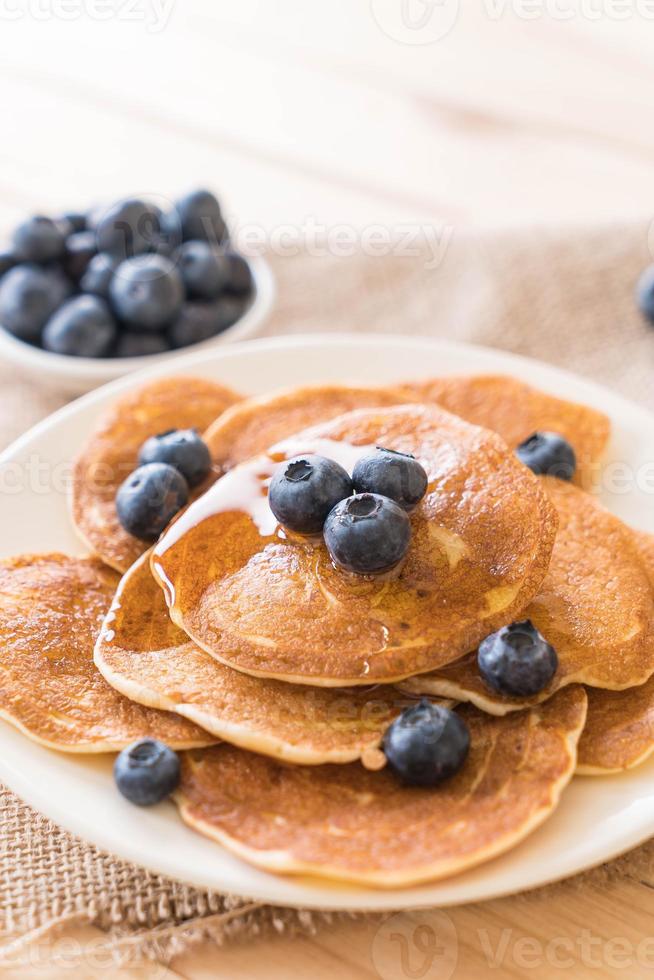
[338, 113]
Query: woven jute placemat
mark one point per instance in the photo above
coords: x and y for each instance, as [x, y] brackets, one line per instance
[565, 297]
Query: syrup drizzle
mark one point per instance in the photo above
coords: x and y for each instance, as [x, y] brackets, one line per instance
[245, 489]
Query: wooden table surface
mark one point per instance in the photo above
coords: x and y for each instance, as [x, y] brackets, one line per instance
[352, 114]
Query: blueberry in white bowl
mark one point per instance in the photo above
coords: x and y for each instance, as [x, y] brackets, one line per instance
[83, 327]
[39, 239]
[147, 291]
[147, 772]
[29, 295]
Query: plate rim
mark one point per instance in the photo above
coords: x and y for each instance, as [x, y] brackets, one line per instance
[330, 896]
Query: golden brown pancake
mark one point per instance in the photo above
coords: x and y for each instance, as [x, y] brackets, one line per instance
[252, 426]
[595, 606]
[147, 658]
[111, 455]
[51, 608]
[273, 605]
[619, 730]
[347, 823]
[516, 410]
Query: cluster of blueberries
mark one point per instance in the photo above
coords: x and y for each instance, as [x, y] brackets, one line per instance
[366, 528]
[170, 463]
[131, 280]
[363, 518]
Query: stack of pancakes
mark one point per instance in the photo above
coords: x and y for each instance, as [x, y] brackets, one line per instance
[278, 674]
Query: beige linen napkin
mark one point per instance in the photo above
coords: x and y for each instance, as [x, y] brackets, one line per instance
[564, 297]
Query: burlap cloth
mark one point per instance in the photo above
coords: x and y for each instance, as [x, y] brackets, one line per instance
[564, 297]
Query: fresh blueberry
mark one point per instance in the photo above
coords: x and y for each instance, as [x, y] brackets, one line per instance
[426, 744]
[146, 772]
[367, 533]
[127, 229]
[39, 239]
[149, 498]
[201, 218]
[82, 327]
[517, 661]
[71, 222]
[305, 489]
[240, 281]
[203, 268]
[168, 236]
[396, 475]
[548, 453]
[8, 259]
[182, 448]
[28, 297]
[200, 321]
[147, 292]
[80, 249]
[98, 275]
[134, 343]
[645, 293]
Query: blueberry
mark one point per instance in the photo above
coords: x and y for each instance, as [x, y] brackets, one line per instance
[147, 292]
[28, 297]
[71, 222]
[367, 533]
[39, 239]
[645, 293]
[305, 489]
[149, 498]
[182, 448]
[98, 275]
[426, 744]
[240, 279]
[82, 327]
[80, 249]
[517, 661]
[127, 229]
[548, 453]
[392, 474]
[168, 236]
[134, 343]
[200, 321]
[8, 259]
[201, 218]
[203, 268]
[146, 772]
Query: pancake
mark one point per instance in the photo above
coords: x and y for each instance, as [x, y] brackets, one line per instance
[347, 823]
[252, 426]
[111, 455]
[142, 654]
[515, 410]
[272, 604]
[50, 612]
[595, 606]
[619, 731]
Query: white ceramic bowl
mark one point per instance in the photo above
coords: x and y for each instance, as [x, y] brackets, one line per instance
[76, 375]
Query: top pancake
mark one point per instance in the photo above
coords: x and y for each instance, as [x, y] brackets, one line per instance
[147, 658]
[345, 823]
[272, 604]
[111, 455]
[252, 426]
[50, 614]
[595, 606]
[516, 410]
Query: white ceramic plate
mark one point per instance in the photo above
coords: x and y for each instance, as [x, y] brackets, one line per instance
[598, 817]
